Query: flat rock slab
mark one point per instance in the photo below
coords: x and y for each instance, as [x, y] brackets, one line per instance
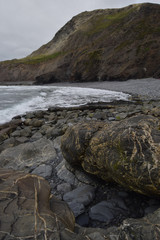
[28, 154]
[43, 170]
[25, 211]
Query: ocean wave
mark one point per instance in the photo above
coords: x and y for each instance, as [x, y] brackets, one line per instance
[22, 99]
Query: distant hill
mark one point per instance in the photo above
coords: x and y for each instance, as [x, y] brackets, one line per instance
[101, 45]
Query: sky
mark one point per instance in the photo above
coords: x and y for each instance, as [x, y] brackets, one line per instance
[25, 25]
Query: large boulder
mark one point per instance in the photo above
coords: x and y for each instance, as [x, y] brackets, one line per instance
[127, 151]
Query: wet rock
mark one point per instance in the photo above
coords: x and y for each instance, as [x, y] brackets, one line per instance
[97, 236]
[78, 198]
[64, 174]
[77, 208]
[26, 132]
[36, 136]
[44, 129]
[25, 211]
[34, 122]
[106, 211]
[30, 115]
[28, 154]
[21, 140]
[39, 114]
[83, 220]
[64, 187]
[99, 115]
[53, 132]
[83, 194]
[85, 178]
[144, 228]
[125, 152]
[8, 128]
[9, 142]
[43, 170]
[16, 133]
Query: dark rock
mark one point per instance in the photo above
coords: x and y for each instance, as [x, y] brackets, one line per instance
[25, 211]
[26, 132]
[83, 194]
[83, 220]
[43, 170]
[150, 209]
[64, 187]
[36, 136]
[126, 152]
[106, 211]
[144, 228]
[64, 174]
[34, 122]
[7, 129]
[77, 208]
[53, 132]
[9, 142]
[16, 133]
[25, 155]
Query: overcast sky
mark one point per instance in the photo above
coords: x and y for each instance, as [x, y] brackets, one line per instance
[25, 25]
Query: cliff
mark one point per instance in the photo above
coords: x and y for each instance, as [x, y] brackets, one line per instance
[101, 45]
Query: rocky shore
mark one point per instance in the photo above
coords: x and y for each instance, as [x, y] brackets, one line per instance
[31, 157]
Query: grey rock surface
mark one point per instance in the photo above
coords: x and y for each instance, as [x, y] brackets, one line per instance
[83, 194]
[43, 170]
[28, 154]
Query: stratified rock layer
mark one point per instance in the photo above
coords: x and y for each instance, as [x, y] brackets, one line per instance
[127, 152]
[101, 45]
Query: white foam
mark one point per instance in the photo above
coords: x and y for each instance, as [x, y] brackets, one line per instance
[31, 98]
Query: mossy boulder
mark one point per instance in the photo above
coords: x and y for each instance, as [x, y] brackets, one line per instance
[127, 151]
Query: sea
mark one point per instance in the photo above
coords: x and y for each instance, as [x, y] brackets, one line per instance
[18, 100]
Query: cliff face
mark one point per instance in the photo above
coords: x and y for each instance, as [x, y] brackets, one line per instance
[111, 44]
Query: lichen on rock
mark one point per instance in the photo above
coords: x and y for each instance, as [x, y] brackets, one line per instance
[127, 152]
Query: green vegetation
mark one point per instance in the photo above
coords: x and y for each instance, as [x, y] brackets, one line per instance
[143, 29]
[104, 21]
[118, 118]
[36, 59]
[93, 58]
[144, 48]
[121, 152]
[123, 45]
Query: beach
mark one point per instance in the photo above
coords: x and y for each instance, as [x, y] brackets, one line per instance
[147, 87]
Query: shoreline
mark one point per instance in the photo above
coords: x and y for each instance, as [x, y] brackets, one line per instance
[147, 88]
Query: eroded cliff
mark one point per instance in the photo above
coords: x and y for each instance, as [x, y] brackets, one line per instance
[101, 45]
